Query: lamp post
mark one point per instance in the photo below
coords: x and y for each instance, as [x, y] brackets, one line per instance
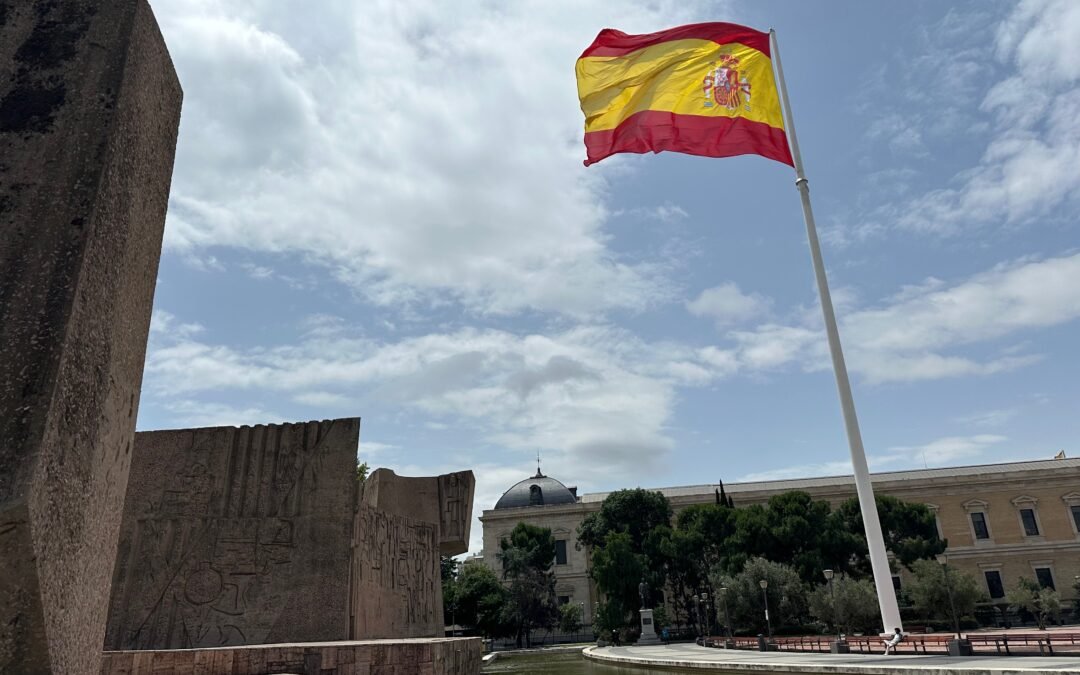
[959, 646]
[840, 646]
[697, 614]
[708, 614]
[765, 594]
[727, 618]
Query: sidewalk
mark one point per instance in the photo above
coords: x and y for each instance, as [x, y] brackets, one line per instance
[735, 661]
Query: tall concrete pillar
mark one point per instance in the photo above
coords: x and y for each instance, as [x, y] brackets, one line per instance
[89, 111]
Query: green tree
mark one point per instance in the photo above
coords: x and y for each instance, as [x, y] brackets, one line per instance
[802, 533]
[1043, 603]
[361, 471]
[930, 595]
[661, 620]
[909, 529]
[634, 512]
[570, 618]
[787, 596]
[642, 519]
[855, 609]
[526, 559]
[618, 570]
[478, 600]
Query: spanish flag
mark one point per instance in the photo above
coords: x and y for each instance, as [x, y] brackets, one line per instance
[704, 89]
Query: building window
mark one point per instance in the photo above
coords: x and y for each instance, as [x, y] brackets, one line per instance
[1031, 527]
[1045, 577]
[896, 582]
[564, 599]
[536, 495]
[994, 585]
[1072, 503]
[1027, 513]
[978, 523]
[560, 551]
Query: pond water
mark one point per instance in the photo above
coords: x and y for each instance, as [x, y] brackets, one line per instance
[569, 664]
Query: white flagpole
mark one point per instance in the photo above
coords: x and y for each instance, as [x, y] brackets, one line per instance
[879, 561]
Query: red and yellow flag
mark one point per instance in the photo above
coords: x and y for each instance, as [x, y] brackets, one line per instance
[704, 89]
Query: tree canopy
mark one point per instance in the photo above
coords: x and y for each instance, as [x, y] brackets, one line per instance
[527, 557]
[930, 595]
[634, 512]
[909, 529]
[746, 600]
[476, 599]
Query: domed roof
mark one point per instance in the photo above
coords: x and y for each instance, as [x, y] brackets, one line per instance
[539, 490]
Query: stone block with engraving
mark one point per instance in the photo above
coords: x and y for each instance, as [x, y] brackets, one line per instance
[89, 111]
[402, 525]
[236, 536]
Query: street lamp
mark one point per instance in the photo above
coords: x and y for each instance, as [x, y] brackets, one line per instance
[697, 613]
[944, 561]
[959, 646]
[708, 614]
[840, 646]
[832, 594]
[765, 594]
[727, 617]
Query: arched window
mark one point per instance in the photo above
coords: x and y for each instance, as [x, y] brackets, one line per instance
[536, 496]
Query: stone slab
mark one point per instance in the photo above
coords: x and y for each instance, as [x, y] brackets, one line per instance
[648, 629]
[429, 656]
[402, 525]
[396, 588]
[446, 500]
[687, 656]
[89, 112]
[236, 536]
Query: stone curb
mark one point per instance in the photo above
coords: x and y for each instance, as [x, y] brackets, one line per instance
[918, 665]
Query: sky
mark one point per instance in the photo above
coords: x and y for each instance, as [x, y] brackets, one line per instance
[380, 210]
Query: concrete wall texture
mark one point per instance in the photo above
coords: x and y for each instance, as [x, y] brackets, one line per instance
[236, 536]
[401, 526]
[89, 111]
[437, 656]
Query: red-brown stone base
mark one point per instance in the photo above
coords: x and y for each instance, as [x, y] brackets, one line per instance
[422, 656]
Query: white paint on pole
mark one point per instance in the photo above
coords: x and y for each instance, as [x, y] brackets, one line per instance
[879, 561]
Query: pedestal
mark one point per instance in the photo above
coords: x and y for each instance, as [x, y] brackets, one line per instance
[960, 648]
[648, 629]
[839, 647]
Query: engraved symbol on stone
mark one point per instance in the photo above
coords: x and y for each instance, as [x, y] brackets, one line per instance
[203, 585]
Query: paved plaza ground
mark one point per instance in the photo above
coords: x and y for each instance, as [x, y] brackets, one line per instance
[694, 656]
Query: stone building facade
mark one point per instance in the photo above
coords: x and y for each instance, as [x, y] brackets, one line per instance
[1002, 521]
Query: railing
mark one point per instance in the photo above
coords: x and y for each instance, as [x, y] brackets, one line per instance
[546, 638]
[1015, 644]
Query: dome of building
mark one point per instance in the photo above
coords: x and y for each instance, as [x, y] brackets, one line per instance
[540, 490]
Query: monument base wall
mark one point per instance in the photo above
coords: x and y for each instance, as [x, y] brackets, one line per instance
[423, 656]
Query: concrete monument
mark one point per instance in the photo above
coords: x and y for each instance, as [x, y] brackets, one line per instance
[236, 536]
[89, 111]
[402, 524]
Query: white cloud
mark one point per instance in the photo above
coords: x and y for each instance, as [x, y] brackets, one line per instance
[388, 143]
[322, 399]
[940, 452]
[943, 451]
[595, 395]
[163, 323]
[195, 413]
[906, 337]
[799, 471]
[1029, 169]
[726, 304]
[989, 418]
